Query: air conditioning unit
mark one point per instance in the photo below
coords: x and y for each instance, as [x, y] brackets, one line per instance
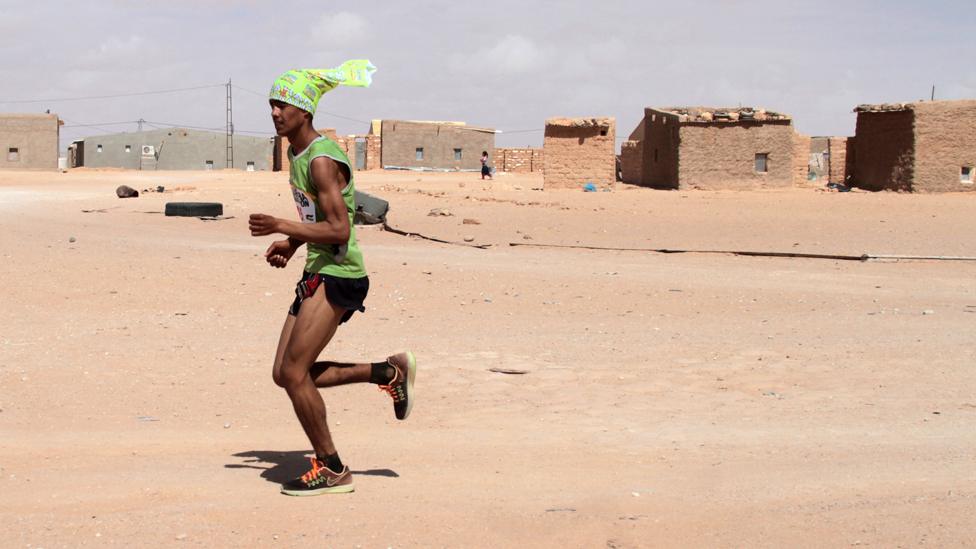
[148, 150]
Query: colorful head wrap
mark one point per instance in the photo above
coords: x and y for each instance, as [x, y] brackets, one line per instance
[304, 87]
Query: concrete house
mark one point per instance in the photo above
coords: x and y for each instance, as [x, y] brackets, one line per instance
[918, 147]
[171, 149]
[577, 151]
[442, 146]
[714, 148]
[29, 141]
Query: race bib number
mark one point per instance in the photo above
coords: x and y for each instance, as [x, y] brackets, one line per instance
[305, 205]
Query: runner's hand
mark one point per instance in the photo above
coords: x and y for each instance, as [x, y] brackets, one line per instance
[262, 225]
[279, 252]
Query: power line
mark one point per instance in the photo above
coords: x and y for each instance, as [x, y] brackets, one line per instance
[175, 90]
[264, 95]
[156, 125]
[79, 125]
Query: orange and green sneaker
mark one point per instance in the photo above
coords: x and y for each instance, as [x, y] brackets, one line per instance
[401, 386]
[319, 480]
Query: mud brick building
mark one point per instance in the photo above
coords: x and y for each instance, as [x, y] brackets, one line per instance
[917, 147]
[29, 141]
[578, 151]
[518, 160]
[840, 159]
[363, 150]
[714, 148]
[438, 146]
[802, 145]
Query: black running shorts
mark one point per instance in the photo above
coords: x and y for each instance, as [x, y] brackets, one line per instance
[348, 293]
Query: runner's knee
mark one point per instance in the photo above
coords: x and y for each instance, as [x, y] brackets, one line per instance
[290, 374]
[279, 380]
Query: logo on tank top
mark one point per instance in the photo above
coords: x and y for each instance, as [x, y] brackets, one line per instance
[305, 205]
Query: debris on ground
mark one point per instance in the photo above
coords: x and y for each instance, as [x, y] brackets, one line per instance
[125, 191]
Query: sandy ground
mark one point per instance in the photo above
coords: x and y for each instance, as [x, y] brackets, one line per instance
[695, 400]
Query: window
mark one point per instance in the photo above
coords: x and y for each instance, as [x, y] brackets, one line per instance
[762, 162]
[13, 154]
[98, 148]
[128, 148]
[457, 154]
[966, 174]
[420, 153]
[208, 165]
[250, 166]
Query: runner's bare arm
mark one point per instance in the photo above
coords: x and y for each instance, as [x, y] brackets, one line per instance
[329, 180]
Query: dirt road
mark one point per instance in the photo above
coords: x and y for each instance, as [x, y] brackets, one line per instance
[670, 399]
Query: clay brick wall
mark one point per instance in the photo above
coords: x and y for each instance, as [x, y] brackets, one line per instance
[722, 155]
[283, 145]
[524, 160]
[945, 141]
[850, 162]
[660, 149]
[837, 157]
[884, 150]
[631, 162]
[34, 138]
[579, 151]
[348, 146]
[374, 151]
[801, 158]
[402, 138]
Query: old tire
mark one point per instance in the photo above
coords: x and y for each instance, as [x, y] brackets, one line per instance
[194, 209]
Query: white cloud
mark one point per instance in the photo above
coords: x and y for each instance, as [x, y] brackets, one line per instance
[513, 54]
[339, 29]
[116, 53]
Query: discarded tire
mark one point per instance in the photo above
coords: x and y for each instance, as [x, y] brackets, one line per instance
[194, 209]
[369, 209]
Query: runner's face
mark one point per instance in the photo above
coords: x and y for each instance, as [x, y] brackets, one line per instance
[286, 118]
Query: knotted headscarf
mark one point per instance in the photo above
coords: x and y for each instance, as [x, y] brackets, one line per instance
[304, 87]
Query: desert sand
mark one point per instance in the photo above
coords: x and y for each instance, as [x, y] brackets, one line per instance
[699, 400]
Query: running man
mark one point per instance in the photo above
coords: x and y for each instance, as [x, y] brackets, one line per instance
[334, 283]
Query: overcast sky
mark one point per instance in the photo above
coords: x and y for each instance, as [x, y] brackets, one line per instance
[506, 64]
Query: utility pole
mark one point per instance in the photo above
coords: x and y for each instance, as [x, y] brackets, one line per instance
[140, 122]
[933, 92]
[230, 127]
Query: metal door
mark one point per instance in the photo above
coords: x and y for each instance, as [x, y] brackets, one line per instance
[360, 154]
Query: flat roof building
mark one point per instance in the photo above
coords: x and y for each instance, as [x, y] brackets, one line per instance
[919, 147]
[171, 149]
[577, 151]
[441, 146]
[29, 141]
[713, 148]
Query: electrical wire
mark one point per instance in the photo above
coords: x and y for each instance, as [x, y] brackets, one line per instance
[135, 94]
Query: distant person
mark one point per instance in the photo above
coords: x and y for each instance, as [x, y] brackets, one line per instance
[334, 283]
[485, 168]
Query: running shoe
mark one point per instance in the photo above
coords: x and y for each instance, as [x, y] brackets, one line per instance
[319, 480]
[401, 386]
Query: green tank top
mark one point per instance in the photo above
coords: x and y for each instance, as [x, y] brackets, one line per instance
[341, 260]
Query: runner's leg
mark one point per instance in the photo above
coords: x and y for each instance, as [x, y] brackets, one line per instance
[312, 330]
[332, 374]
